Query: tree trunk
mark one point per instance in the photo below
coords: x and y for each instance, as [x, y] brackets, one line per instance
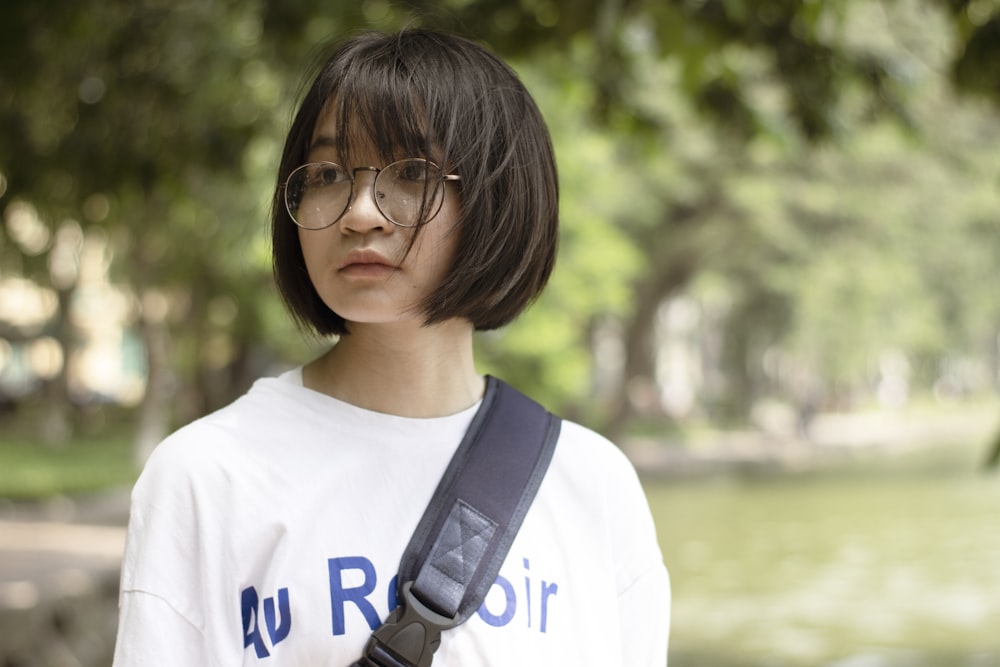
[676, 248]
[56, 427]
[993, 456]
[154, 413]
[663, 280]
[733, 403]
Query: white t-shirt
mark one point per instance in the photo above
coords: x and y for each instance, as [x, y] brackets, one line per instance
[269, 534]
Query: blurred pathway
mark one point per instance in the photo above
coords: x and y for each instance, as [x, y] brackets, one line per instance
[776, 445]
[59, 548]
[45, 560]
[59, 568]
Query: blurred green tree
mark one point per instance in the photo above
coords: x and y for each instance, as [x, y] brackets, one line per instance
[142, 121]
[155, 125]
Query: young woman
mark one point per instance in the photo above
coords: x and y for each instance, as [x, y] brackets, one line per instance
[416, 203]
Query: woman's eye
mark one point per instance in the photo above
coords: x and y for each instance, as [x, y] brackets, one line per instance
[416, 172]
[328, 176]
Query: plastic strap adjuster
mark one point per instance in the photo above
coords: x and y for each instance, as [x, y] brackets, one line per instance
[409, 637]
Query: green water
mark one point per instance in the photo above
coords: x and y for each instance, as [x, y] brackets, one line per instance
[891, 563]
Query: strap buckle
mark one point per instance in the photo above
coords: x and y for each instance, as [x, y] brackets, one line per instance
[409, 637]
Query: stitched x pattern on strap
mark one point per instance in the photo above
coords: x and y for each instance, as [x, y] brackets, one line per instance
[454, 558]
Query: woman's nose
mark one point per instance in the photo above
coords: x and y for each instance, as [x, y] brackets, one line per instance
[364, 215]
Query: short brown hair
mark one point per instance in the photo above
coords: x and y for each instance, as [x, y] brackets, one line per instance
[434, 95]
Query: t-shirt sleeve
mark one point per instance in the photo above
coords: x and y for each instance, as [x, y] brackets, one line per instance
[644, 613]
[152, 633]
[160, 619]
[643, 583]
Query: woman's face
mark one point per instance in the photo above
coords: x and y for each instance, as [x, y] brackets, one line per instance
[360, 266]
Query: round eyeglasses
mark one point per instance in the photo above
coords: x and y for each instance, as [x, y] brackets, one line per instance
[407, 192]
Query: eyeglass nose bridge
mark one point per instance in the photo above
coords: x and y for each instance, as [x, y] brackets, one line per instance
[376, 195]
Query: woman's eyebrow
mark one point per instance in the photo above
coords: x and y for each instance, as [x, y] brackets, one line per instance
[323, 141]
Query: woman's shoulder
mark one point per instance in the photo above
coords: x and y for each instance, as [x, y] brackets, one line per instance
[216, 438]
[578, 440]
[585, 454]
[191, 456]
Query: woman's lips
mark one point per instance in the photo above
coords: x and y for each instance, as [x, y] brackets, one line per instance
[366, 263]
[366, 270]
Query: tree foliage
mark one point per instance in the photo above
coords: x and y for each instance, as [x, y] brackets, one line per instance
[809, 161]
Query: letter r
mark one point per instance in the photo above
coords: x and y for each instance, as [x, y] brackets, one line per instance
[339, 595]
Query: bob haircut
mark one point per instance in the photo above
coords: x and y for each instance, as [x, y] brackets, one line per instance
[418, 93]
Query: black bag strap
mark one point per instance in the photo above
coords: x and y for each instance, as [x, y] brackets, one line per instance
[462, 539]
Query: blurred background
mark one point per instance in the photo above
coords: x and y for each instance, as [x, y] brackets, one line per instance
[776, 291]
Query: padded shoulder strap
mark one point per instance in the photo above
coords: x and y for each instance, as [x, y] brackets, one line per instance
[462, 539]
[480, 502]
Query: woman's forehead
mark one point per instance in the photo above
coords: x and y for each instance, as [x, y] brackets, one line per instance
[344, 132]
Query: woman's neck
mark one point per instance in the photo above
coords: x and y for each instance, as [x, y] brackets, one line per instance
[401, 369]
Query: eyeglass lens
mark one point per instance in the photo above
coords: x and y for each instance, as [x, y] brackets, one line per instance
[318, 194]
